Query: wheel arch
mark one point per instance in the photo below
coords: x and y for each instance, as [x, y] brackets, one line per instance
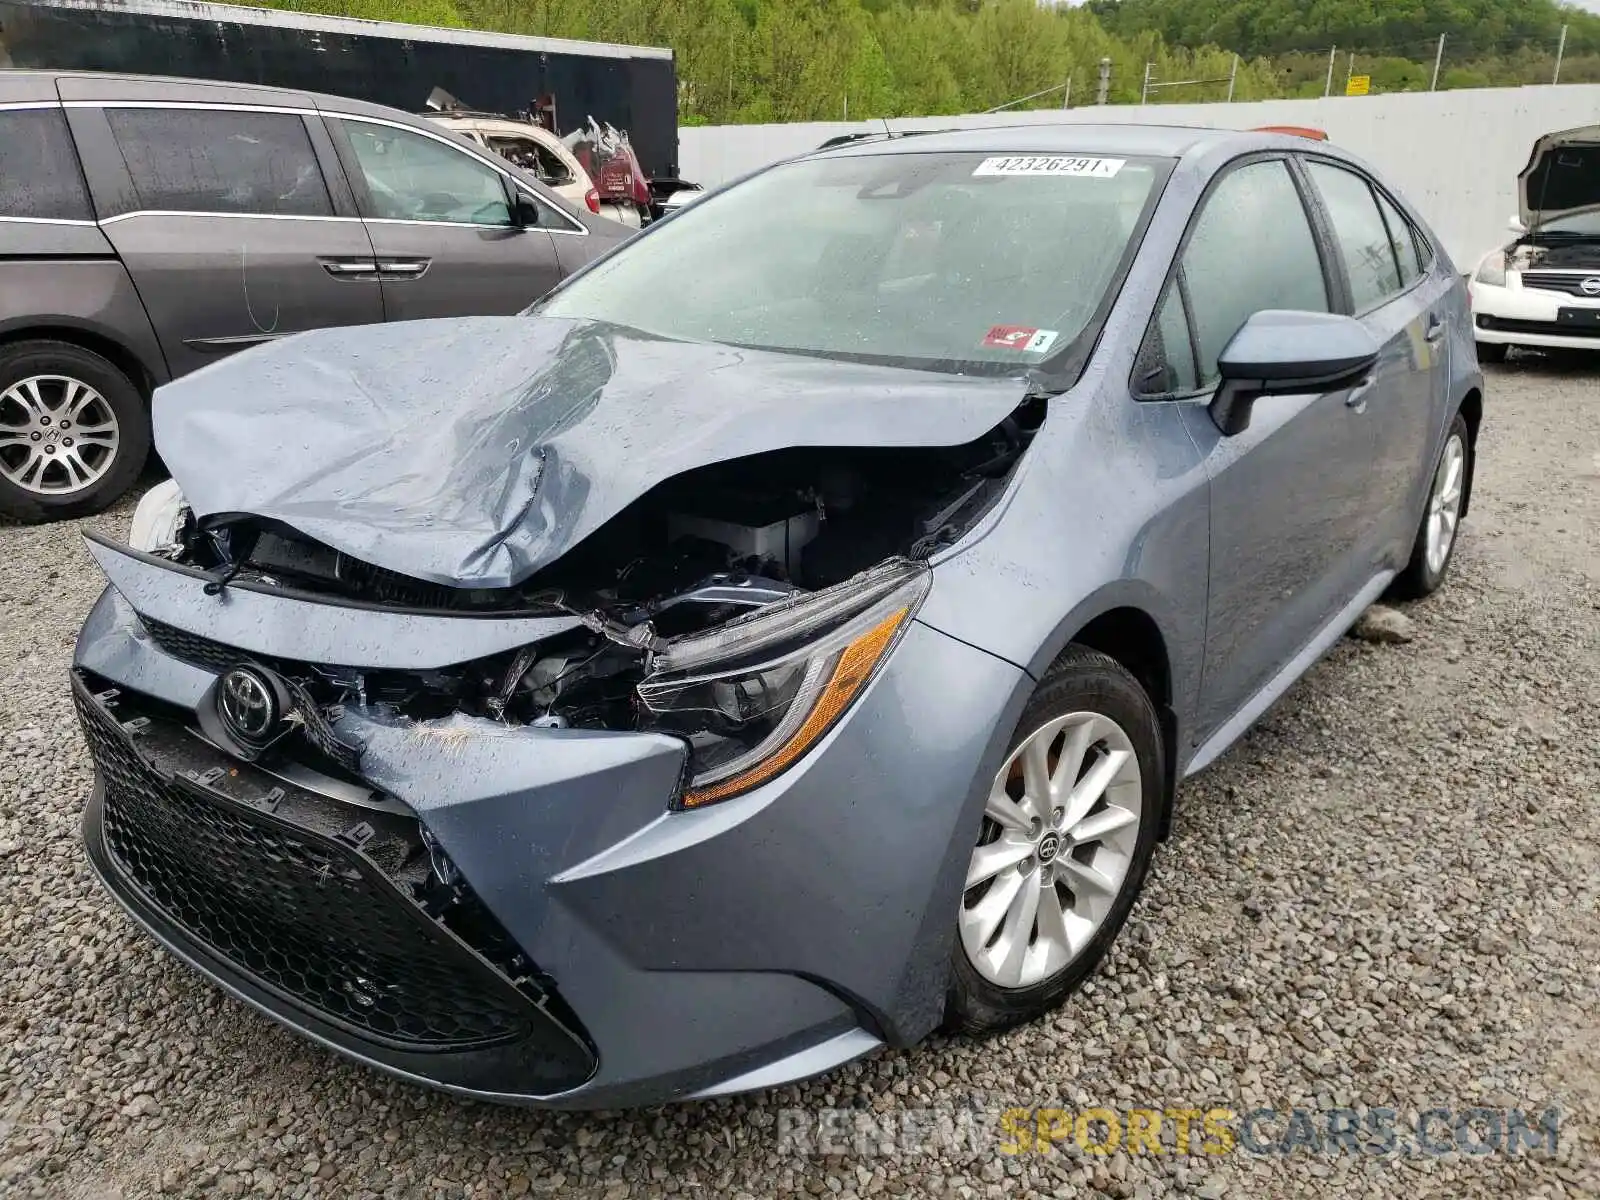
[1126, 628]
[97, 341]
[1471, 410]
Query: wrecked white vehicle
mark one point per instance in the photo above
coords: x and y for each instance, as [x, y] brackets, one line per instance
[1543, 289]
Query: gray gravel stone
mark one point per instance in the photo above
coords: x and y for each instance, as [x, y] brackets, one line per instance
[1383, 624]
[1387, 895]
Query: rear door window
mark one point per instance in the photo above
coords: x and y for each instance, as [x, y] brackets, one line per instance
[220, 161]
[1358, 227]
[39, 176]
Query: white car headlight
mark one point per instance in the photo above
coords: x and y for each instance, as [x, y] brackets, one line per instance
[752, 697]
[158, 518]
[1492, 270]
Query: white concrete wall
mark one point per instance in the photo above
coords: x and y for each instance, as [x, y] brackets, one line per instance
[1455, 155]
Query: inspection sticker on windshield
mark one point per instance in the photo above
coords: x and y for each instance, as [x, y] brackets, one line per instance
[1020, 337]
[1050, 164]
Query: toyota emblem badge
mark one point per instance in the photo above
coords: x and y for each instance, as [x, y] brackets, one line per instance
[248, 704]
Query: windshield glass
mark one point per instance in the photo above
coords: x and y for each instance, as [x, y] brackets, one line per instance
[967, 263]
[1585, 224]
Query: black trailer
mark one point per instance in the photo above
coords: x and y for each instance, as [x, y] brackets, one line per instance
[633, 88]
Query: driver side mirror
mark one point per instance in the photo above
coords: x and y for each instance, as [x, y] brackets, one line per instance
[1282, 353]
[524, 211]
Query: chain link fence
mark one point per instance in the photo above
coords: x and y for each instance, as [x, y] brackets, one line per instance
[1437, 64]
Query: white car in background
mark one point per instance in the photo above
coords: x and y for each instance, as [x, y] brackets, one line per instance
[540, 152]
[1544, 288]
[682, 198]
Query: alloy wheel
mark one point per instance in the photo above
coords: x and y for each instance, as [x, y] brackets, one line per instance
[1444, 504]
[58, 435]
[1060, 830]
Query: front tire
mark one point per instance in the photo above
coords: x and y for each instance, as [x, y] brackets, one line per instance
[1435, 547]
[1068, 833]
[1492, 352]
[74, 431]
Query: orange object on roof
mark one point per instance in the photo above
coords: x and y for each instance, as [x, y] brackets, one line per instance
[1304, 131]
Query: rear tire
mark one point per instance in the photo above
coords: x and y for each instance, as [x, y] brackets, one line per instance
[1492, 352]
[74, 431]
[1088, 719]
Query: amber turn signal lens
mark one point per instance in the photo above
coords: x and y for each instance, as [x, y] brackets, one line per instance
[850, 674]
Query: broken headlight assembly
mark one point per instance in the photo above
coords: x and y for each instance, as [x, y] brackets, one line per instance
[1492, 270]
[158, 519]
[753, 696]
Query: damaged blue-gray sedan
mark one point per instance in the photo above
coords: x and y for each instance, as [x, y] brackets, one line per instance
[788, 637]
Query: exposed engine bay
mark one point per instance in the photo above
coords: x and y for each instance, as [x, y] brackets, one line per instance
[692, 555]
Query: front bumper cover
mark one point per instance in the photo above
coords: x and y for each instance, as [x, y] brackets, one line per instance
[1525, 316]
[301, 907]
[755, 942]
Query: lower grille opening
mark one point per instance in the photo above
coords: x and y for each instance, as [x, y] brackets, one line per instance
[1553, 328]
[333, 909]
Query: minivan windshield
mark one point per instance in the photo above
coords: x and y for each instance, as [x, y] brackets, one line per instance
[967, 263]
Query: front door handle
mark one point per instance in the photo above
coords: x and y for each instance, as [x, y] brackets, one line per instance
[1435, 329]
[403, 268]
[350, 268]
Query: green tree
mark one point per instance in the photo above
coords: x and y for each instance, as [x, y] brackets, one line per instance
[795, 60]
[1404, 28]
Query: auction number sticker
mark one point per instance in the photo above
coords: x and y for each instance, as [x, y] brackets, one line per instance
[1051, 164]
[1020, 337]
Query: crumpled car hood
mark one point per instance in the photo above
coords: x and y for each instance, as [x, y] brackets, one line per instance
[472, 452]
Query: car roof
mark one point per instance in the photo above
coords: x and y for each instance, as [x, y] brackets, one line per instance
[1156, 141]
[182, 87]
[50, 74]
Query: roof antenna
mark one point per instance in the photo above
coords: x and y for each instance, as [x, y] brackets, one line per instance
[887, 132]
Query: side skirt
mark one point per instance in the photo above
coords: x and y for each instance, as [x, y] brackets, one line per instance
[1234, 728]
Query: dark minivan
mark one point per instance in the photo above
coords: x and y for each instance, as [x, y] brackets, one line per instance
[150, 226]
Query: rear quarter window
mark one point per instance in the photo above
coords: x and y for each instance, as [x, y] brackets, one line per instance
[220, 161]
[1404, 238]
[39, 176]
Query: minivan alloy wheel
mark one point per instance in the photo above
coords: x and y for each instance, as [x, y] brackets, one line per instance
[58, 435]
[1060, 830]
[1444, 504]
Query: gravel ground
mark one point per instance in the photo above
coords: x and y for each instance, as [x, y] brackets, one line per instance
[1385, 896]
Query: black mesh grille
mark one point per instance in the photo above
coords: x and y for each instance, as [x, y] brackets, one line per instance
[272, 880]
[192, 648]
[1556, 281]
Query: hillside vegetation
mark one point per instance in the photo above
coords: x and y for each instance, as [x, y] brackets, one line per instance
[805, 60]
[1396, 27]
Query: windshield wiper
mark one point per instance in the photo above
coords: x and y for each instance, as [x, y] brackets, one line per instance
[1565, 234]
